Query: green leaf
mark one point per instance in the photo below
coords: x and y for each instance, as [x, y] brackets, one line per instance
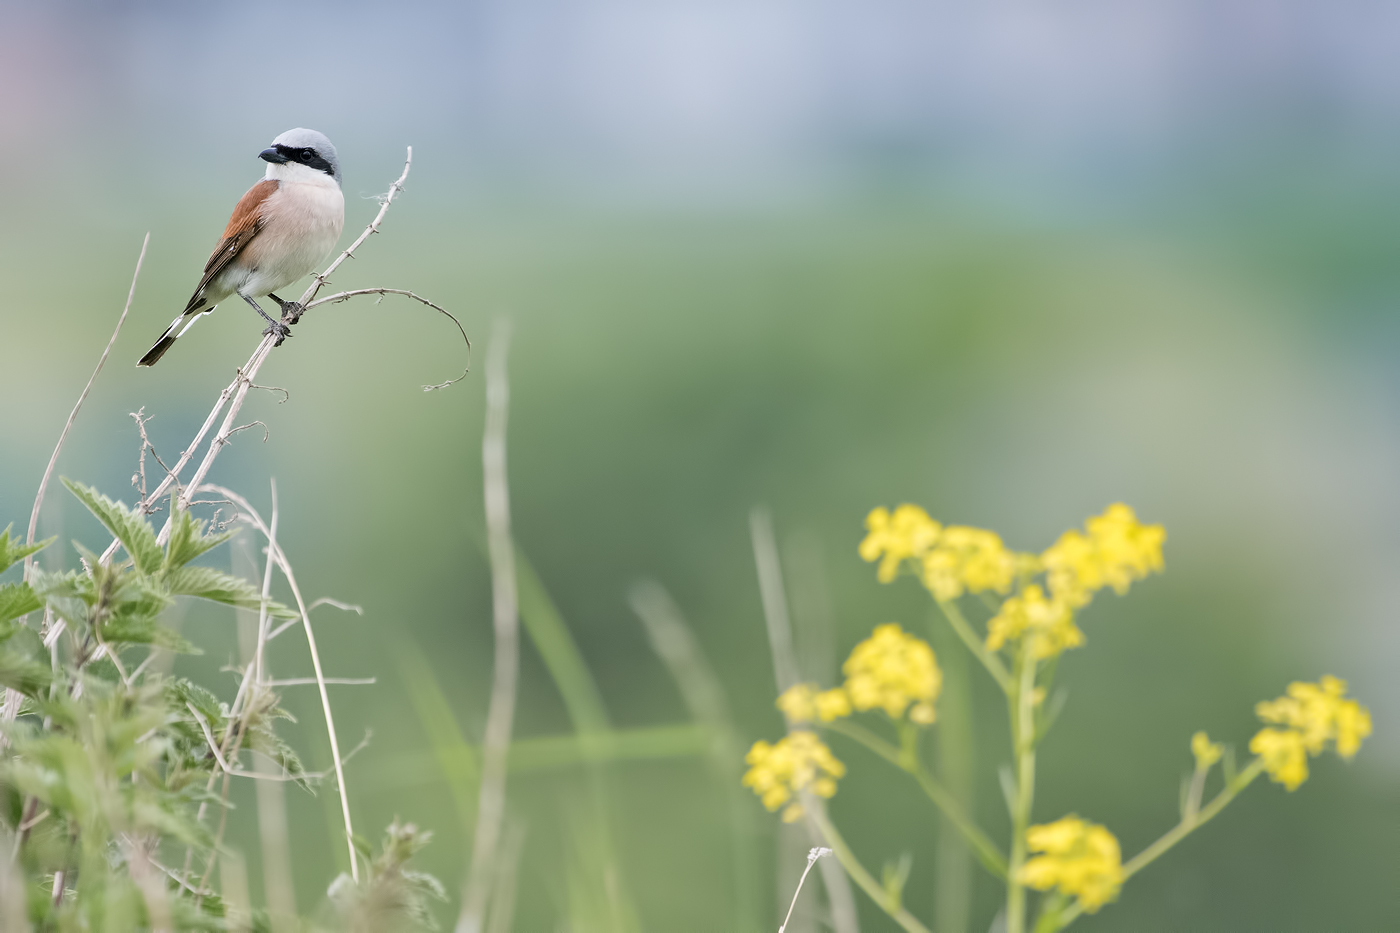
[24, 663]
[138, 629]
[264, 740]
[14, 551]
[187, 538]
[126, 525]
[16, 599]
[207, 583]
[68, 595]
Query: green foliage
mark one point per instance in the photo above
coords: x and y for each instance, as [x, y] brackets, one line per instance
[393, 898]
[112, 776]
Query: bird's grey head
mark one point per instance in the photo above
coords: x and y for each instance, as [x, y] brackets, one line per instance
[305, 147]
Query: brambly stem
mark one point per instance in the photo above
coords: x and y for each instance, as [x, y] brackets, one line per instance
[990, 661]
[1180, 831]
[1023, 740]
[987, 852]
[817, 813]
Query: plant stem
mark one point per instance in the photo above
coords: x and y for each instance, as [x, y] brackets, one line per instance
[1180, 831]
[814, 809]
[1023, 739]
[974, 644]
[986, 849]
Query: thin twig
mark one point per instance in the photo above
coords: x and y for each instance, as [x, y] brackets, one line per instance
[285, 566]
[73, 415]
[812, 856]
[501, 711]
[346, 296]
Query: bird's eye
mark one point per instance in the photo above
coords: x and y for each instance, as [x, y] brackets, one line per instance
[308, 154]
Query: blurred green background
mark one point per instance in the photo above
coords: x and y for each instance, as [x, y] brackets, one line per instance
[1011, 262]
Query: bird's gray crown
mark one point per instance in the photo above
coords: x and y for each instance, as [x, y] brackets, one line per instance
[302, 138]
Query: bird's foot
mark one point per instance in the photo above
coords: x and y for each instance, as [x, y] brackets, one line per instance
[291, 310]
[281, 330]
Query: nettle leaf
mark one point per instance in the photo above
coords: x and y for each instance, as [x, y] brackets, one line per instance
[180, 692]
[126, 525]
[24, 663]
[16, 599]
[67, 595]
[12, 551]
[264, 740]
[187, 538]
[207, 583]
[138, 629]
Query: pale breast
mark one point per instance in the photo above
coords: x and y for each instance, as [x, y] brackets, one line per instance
[301, 223]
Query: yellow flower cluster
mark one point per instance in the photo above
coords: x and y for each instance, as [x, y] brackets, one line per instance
[1116, 550]
[952, 560]
[1207, 752]
[777, 773]
[895, 538]
[1081, 859]
[893, 671]
[1311, 716]
[805, 703]
[1048, 622]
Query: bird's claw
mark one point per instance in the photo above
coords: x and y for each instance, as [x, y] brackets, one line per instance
[292, 311]
[282, 331]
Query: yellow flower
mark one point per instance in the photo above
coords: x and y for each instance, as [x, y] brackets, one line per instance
[1207, 752]
[804, 703]
[798, 762]
[893, 671]
[1116, 551]
[1081, 859]
[1320, 712]
[1312, 715]
[971, 560]
[1049, 623]
[893, 538]
[1284, 756]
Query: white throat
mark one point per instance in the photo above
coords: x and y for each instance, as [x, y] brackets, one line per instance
[296, 173]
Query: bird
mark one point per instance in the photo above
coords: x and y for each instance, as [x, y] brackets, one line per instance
[282, 229]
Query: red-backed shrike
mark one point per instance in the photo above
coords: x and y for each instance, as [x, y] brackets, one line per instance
[282, 229]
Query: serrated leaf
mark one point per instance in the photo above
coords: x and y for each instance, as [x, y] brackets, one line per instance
[182, 691]
[187, 538]
[208, 583]
[136, 629]
[16, 599]
[23, 673]
[126, 525]
[12, 551]
[264, 740]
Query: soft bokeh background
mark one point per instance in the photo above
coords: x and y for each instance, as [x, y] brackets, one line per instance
[1010, 260]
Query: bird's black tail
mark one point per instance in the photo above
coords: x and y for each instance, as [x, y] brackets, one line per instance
[157, 351]
[176, 328]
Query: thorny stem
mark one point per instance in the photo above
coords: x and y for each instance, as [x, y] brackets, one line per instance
[989, 660]
[1180, 831]
[1023, 738]
[986, 849]
[889, 904]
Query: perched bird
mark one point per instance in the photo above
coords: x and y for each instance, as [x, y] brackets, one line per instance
[281, 229]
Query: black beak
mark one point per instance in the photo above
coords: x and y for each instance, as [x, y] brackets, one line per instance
[273, 156]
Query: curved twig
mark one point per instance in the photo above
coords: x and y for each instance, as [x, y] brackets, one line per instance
[347, 295]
